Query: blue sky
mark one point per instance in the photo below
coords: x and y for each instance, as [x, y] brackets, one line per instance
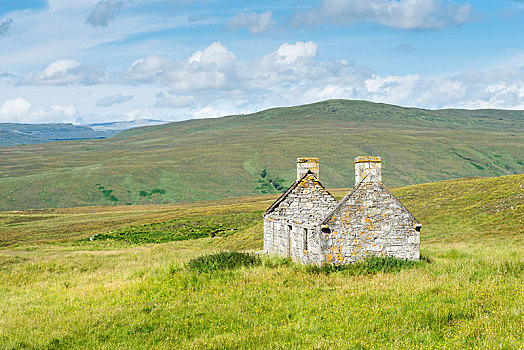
[88, 61]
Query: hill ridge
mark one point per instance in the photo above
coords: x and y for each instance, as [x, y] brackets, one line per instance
[225, 157]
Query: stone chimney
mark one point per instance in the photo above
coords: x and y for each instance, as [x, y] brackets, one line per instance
[370, 166]
[305, 164]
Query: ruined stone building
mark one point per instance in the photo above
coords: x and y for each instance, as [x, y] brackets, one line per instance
[310, 226]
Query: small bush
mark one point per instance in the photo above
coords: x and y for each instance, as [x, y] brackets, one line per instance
[222, 261]
[367, 266]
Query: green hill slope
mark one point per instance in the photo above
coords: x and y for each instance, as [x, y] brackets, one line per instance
[226, 157]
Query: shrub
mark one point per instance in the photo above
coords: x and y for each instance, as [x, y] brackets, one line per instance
[222, 261]
[368, 266]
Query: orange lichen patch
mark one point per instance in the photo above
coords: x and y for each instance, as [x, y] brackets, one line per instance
[370, 224]
[307, 160]
[368, 159]
[329, 258]
[335, 249]
[340, 257]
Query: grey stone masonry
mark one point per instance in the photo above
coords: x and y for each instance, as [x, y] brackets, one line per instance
[365, 166]
[290, 224]
[308, 225]
[371, 221]
[307, 164]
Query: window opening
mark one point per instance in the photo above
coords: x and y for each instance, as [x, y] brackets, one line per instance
[305, 239]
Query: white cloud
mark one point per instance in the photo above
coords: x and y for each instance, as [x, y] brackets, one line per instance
[290, 53]
[211, 68]
[254, 22]
[209, 112]
[20, 110]
[173, 101]
[65, 71]
[216, 53]
[15, 108]
[137, 114]
[400, 14]
[110, 101]
[212, 82]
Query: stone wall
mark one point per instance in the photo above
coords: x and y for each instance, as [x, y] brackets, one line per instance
[307, 164]
[371, 221]
[368, 169]
[302, 209]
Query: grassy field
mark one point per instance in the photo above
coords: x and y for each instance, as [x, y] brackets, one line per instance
[60, 290]
[255, 154]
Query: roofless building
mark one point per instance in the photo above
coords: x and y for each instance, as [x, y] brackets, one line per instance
[308, 225]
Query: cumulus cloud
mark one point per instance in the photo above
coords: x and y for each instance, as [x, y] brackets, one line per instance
[113, 100]
[103, 12]
[213, 82]
[5, 25]
[19, 109]
[254, 22]
[290, 53]
[15, 108]
[211, 68]
[400, 14]
[62, 72]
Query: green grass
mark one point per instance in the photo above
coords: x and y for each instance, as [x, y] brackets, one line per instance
[222, 261]
[368, 266]
[58, 291]
[183, 228]
[226, 157]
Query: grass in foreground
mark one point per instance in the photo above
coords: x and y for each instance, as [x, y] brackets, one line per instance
[66, 293]
[223, 261]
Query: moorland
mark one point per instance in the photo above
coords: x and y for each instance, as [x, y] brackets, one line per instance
[254, 154]
[117, 277]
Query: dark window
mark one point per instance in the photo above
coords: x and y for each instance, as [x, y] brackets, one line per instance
[326, 229]
[305, 239]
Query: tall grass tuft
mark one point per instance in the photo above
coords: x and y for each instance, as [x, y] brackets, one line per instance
[222, 261]
[368, 266]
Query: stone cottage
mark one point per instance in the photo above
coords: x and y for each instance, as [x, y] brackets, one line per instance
[308, 225]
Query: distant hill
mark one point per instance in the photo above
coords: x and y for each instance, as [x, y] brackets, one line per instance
[18, 134]
[124, 125]
[12, 134]
[255, 154]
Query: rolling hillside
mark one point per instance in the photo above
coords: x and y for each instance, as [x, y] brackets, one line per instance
[255, 154]
[60, 290]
